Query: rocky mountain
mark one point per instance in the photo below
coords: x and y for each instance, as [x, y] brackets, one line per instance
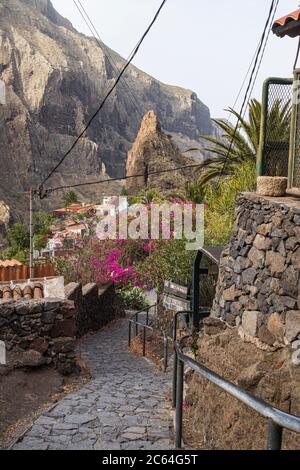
[152, 151]
[55, 79]
[4, 221]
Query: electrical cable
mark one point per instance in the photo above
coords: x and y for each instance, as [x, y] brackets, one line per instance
[262, 56]
[125, 67]
[297, 54]
[48, 191]
[274, 5]
[86, 18]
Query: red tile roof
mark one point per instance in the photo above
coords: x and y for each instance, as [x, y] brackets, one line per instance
[288, 25]
[9, 263]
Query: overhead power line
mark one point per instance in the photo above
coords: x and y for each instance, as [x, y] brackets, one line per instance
[253, 76]
[263, 52]
[92, 28]
[125, 67]
[48, 191]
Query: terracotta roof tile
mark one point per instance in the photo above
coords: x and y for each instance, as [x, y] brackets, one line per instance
[9, 263]
[288, 25]
[28, 293]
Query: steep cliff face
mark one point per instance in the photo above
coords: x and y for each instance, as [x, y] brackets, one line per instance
[55, 79]
[4, 221]
[153, 151]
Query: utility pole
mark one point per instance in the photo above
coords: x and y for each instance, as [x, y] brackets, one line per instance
[31, 262]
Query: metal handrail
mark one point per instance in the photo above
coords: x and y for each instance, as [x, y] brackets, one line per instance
[278, 420]
[134, 321]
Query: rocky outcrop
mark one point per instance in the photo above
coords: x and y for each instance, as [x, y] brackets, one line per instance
[153, 151]
[4, 220]
[55, 78]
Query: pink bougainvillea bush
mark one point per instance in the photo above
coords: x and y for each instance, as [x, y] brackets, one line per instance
[115, 261]
[130, 264]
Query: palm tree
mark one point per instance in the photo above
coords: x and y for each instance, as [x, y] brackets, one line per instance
[235, 148]
[70, 198]
[194, 192]
[148, 196]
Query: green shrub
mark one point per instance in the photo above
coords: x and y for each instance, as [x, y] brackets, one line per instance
[133, 298]
[220, 204]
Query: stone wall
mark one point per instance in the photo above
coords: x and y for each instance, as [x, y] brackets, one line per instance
[43, 332]
[39, 332]
[95, 307]
[220, 422]
[258, 288]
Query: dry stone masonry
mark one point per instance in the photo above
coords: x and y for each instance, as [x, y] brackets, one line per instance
[95, 307]
[258, 288]
[41, 332]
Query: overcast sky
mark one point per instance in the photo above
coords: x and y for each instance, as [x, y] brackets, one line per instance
[206, 46]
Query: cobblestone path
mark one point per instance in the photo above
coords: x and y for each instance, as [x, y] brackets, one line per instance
[124, 406]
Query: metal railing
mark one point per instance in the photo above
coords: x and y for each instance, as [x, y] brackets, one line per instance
[278, 420]
[135, 324]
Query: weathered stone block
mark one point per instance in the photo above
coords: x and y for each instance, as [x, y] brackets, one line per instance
[48, 317]
[63, 328]
[275, 262]
[262, 243]
[63, 345]
[249, 275]
[231, 294]
[251, 321]
[276, 326]
[7, 309]
[274, 186]
[68, 310]
[296, 259]
[22, 308]
[29, 358]
[257, 257]
[266, 336]
[264, 229]
[289, 281]
[292, 324]
[40, 345]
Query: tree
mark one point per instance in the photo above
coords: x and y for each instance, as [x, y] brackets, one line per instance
[146, 196]
[70, 197]
[18, 237]
[230, 151]
[42, 229]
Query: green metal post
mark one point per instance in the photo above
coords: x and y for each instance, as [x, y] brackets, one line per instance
[296, 94]
[260, 166]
